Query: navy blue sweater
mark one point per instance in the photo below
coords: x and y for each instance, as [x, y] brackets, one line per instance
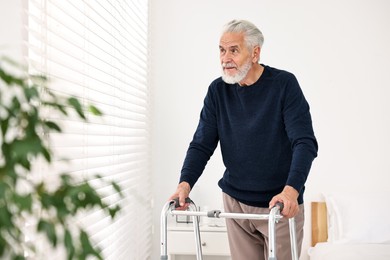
[265, 133]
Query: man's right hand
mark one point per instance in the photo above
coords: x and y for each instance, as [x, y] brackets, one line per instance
[182, 192]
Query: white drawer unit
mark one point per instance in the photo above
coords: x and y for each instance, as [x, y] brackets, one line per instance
[181, 241]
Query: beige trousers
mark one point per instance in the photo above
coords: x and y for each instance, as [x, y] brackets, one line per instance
[248, 239]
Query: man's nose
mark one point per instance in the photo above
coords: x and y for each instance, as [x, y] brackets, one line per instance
[226, 57]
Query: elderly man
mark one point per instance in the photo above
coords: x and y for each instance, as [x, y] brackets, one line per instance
[262, 120]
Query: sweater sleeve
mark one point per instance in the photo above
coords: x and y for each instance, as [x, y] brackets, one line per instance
[298, 124]
[203, 144]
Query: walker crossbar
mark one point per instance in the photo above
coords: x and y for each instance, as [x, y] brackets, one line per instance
[219, 214]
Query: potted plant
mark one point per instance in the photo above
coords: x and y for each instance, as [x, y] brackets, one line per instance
[22, 128]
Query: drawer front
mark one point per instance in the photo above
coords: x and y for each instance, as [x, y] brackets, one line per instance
[183, 243]
[214, 243]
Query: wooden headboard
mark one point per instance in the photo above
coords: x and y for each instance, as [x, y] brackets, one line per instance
[319, 223]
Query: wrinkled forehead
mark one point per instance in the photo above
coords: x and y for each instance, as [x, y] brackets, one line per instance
[231, 39]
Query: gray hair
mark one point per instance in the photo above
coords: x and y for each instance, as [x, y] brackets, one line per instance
[253, 36]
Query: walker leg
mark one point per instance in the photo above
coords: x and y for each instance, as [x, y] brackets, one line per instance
[271, 233]
[163, 231]
[198, 242]
[293, 239]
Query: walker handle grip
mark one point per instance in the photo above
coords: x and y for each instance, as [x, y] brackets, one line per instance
[177, 203]
[280, 205]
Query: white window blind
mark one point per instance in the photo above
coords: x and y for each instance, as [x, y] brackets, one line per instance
[97, 50]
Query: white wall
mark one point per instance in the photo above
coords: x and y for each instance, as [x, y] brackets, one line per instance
[339, 50]
[11, 33]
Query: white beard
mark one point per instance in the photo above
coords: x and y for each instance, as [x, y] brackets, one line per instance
[239, 76]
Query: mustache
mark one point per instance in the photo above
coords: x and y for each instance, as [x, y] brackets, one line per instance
[228, 65]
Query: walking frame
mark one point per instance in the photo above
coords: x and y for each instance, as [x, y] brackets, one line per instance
[273, 217]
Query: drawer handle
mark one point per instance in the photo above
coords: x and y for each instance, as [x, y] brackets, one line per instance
[204, 244]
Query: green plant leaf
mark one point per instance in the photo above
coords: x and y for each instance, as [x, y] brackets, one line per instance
[40, 189]
[114, 211]
[46, 199]
[66, 178]
[49, 229]
[23, 161]
[24, 202]
[75, 103]
[13, 62]
[31, 93]
[18, 257]
[94, 110]
[28, 144]
[117, 188]
[3, 242]
[15, 104]
[46, 153]
[4, 126]
[87, 247]
[4, 76]
[68, 241]
[56, 105]
[5, 217]
[11, 80]
[53, 126]
[84, 196]
[39, 78]
[4, 187]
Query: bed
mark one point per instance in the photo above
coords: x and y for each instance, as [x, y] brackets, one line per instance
[351, 226]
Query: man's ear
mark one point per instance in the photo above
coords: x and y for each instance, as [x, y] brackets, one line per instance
[256, 54]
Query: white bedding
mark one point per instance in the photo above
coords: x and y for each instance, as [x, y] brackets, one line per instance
[332, 251]
[357, 227]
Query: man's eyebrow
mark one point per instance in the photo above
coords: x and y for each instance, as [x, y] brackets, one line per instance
[229, 47]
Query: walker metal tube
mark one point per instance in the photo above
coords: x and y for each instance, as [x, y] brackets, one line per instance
[168, 207]
[195, 219]
[225, 215]
[163, 231]
[271, 233]
[293, 239]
